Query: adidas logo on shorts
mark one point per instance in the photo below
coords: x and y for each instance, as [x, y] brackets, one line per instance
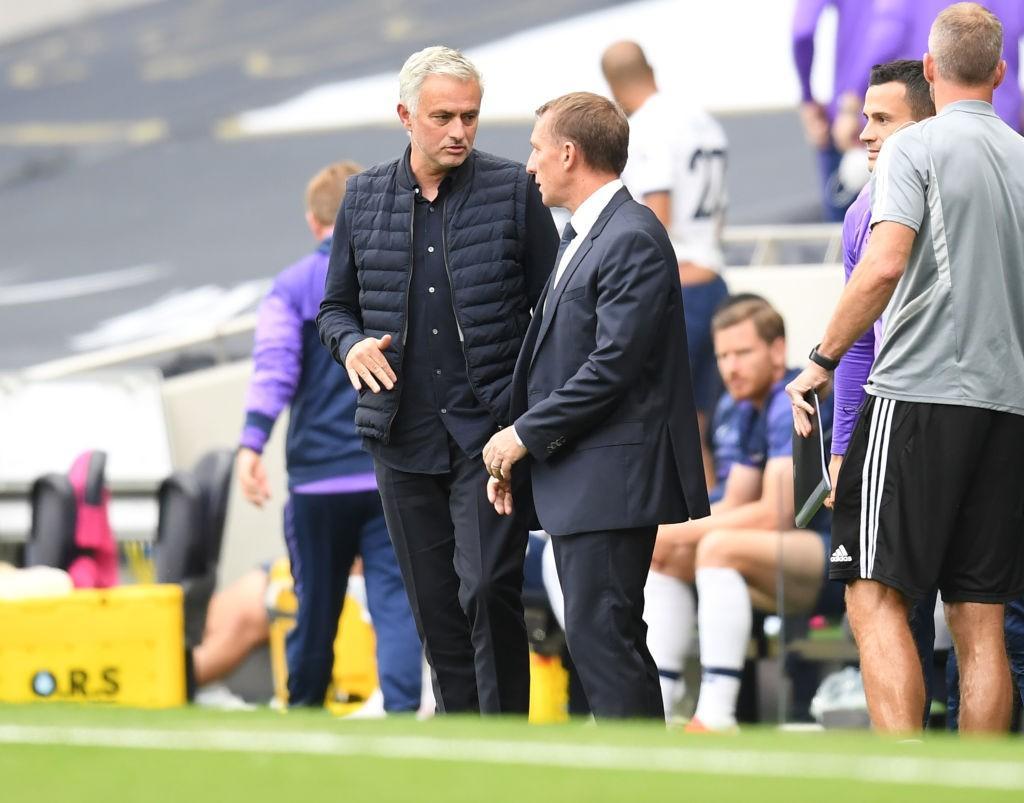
[840, 555]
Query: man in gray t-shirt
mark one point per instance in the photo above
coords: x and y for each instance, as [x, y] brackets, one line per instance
[929, 491]
[955, 325]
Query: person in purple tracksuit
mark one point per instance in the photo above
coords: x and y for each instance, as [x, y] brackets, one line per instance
[333, 511]
[899, 29]
[849, 76]
[897, 96]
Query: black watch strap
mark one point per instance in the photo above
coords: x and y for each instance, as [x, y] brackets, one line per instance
[820, 359]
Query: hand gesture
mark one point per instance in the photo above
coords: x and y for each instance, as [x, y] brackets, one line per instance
[501, 451]
[833, 475]
[847, 125]
[499, 494]
[367, 365]
[252, 477]
[815, 122]
[812, 377]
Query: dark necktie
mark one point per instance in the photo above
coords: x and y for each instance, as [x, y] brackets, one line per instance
[568, 235]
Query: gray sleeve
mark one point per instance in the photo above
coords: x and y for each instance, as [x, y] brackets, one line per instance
[899, 185]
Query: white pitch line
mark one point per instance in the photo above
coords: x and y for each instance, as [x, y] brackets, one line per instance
[75, 286]
[895, 769]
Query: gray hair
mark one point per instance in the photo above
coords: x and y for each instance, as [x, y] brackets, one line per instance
[966, 41]
[436, 60]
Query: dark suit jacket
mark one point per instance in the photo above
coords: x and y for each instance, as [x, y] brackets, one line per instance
[602, 397]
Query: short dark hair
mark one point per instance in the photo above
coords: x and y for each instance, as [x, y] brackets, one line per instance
[767, 322]
[595, 125]
[910, 73]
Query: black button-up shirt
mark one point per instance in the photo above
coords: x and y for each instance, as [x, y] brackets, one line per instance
[436, 400]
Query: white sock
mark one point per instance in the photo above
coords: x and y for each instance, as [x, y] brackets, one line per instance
[428, 704]
[669, 612]
[549, 573]
[723, 627]
[356, 589]
[943, 638]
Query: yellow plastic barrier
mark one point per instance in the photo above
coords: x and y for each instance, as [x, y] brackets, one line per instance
[122, 646]
[549, 690]
[354, 677]
[355, 666]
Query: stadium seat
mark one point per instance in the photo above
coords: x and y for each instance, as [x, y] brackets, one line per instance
[190, 528]
[70, 527]
[51, 538]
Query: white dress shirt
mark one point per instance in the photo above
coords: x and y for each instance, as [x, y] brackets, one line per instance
[583, 221]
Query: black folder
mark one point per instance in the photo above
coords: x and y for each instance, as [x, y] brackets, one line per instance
[811, 483]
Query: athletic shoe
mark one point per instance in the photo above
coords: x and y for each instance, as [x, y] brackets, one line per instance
[373, 708]
[219, 696]
[696, 726]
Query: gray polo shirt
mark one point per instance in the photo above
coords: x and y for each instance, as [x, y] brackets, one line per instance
[954, 331]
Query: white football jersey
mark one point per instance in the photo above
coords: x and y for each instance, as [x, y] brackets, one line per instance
[680, 149]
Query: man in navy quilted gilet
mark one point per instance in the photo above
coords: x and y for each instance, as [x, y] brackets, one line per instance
[437, 261]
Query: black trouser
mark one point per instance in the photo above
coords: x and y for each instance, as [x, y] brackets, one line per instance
[602, 575]
[462, 565]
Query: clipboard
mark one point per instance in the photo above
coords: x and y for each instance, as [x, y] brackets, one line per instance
[811, 483]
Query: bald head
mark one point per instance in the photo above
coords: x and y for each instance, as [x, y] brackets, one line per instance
[966, 43]
[628, 74]
[625, 62]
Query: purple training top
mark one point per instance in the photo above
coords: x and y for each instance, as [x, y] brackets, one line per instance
[852, 53]
[853, 370]
[899, 30]
[291, 367]
[875, 32]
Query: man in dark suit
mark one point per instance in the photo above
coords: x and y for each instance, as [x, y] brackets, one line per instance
[602, 403]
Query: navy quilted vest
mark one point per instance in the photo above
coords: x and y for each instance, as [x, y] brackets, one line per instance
[484, 226]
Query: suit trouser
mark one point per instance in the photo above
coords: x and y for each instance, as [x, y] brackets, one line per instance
[602, 575]
[324, 533]
[463, 569]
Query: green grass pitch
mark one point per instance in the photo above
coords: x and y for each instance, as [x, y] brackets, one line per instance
[58, 753]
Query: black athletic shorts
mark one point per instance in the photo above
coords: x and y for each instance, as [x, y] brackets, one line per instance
[932, 494]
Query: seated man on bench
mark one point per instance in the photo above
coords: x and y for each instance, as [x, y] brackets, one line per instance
[735, 555]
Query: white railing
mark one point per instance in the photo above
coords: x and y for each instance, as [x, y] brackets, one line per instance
[209, 336]
[767, 239]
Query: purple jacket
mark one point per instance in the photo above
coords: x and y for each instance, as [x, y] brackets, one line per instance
[899, 30]
[876, 31]
[853, 370]
[291, 367]
[853, 57]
